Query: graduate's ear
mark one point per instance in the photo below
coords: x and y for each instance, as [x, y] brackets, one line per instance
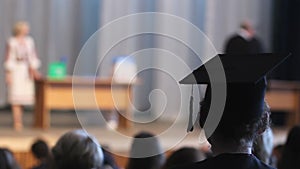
[261, 131]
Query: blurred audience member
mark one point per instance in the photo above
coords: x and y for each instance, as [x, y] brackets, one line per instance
[109, 161]
[276, 155]
[146, 152]
[41, 152]
[183, 156]
[7, 160]
[290, 158]
[77, 150]
[263, 145]
[244, 42]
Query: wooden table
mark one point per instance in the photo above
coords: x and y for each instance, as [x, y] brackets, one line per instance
[81, 94]
[285, 96]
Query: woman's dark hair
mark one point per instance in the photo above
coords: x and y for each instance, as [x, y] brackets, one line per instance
[7, 160]
[183, 156]
[40, 149]
[145, 152]
[290, 158]
[77, 149]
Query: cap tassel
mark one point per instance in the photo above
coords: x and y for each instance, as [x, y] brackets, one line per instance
[190, 124]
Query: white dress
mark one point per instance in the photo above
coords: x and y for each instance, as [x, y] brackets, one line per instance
[20, 57]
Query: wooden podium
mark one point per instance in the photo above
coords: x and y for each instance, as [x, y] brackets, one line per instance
[285, 96]
[81, 94]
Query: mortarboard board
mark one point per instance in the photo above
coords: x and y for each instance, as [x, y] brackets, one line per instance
[245, 85]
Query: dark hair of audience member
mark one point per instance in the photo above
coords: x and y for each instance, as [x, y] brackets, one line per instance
[77, 149]
[109, 161]
[183, 156]
[41, 151]
[290, 158]
[7, 160]
[150, 162]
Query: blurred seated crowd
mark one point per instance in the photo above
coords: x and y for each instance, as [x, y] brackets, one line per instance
[77, 149]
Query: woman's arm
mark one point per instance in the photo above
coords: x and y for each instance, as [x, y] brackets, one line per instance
[8, 65]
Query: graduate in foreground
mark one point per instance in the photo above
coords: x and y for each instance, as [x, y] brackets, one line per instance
[245, 113]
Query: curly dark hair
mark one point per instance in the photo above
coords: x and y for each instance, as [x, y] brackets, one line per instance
[238, 133]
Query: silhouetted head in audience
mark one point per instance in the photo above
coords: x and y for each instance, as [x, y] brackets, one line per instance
[77, 150]
[146, 152]
[40, 149]
[7, 160]
[290, 158]
[183, 156]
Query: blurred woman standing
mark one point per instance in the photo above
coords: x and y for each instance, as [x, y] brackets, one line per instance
[21, 64]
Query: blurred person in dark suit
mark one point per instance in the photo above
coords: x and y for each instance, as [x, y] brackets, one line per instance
[244, 41]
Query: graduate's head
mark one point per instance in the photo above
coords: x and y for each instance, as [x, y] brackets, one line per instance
[245, 115]
[245, 112]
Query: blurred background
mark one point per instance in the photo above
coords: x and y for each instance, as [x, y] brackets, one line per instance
[61, 28]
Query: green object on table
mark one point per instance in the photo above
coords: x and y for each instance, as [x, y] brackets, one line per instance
[57, 70]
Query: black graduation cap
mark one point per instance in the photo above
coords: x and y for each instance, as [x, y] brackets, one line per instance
[244, 77]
